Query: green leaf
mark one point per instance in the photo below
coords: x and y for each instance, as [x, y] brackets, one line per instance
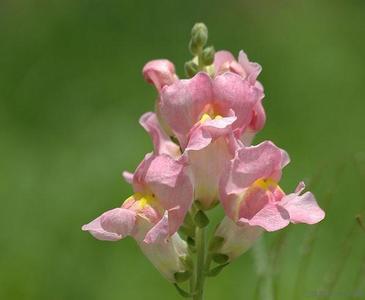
[182, 292]
[220, 258]
[215, 271]
[201, 219]
[182, 276]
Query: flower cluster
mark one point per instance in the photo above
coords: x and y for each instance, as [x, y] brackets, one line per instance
[202, 130]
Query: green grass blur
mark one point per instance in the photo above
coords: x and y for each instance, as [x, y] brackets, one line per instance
[71, 93]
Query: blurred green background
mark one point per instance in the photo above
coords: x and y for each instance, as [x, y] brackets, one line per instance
[71, 93]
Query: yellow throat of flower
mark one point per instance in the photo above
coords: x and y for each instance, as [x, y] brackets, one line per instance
[207, 117]
[265, 184]
[145, 200]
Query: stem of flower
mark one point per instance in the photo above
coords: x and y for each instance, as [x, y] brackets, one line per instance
[200, 263]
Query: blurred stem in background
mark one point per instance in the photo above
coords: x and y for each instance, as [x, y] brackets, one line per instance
[264, 288]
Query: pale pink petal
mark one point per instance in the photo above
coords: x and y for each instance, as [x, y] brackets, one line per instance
[302, 208]
[118, 220]
[94, 227]
[252, 69]
[161, 141]
[160, 232]
[159, 72]
[222, 59]
[206, 167]
[271, 218]
[128, 176]
[183, 103]
[203, 134]
[300, 187]
[232, 92]
[167, 256]
[237, 238]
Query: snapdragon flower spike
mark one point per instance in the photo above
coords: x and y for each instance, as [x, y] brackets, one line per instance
[250, 193]
[224, 61]
[206, 114]
[152, 216]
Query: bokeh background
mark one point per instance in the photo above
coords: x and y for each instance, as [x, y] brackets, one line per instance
[71, 93]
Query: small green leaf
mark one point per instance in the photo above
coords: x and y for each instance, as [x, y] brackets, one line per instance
[182, 292]
[201, 219]
[215, 271]
[220, 258]
[182, 276]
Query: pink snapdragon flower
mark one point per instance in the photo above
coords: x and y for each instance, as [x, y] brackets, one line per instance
[153, 214]
[206, 115]
[250, 193]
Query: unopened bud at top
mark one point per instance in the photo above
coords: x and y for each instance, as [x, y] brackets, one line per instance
[191, 68]
[208, 55]
[199, 35]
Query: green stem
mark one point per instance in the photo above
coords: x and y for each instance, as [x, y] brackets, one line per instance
[200, 263]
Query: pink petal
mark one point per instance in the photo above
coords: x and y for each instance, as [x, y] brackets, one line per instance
[118, 220]
[160, 232]
[159, 72]
[161, 141]
[203, 134]
[222, 59]
[184, 102]
[128, 176]
[250, 164]
[252, 69]
[206, 167]
[237, 238]
[168, 180]
[302, 208]
[232, 92]
[94, 227]
[257, 123]
[271, 218]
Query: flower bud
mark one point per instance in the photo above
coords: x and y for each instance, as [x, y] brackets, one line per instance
[191, 68]
[199, 35]
[208, 56]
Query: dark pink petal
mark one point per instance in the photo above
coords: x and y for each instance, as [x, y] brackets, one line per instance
[257, 123]
[183, 103]
[159, 72]
[302, 208]
[161, 141]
